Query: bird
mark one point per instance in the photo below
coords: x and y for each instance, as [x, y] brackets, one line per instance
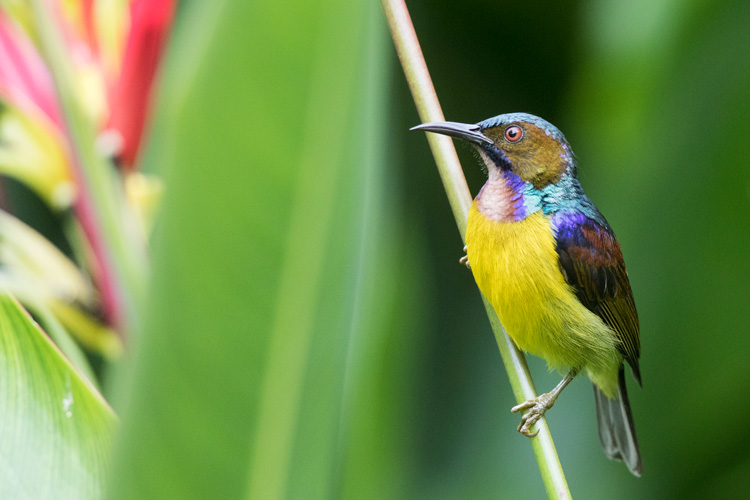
[549, 263]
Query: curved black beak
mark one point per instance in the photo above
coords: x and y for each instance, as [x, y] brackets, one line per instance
[467, 132]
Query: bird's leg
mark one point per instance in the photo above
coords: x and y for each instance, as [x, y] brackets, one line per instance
[539, 405]
[465, 259]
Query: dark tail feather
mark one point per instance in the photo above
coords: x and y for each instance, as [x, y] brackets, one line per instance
[616, 430]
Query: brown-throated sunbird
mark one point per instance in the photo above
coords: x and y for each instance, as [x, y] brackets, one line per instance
[552, 268]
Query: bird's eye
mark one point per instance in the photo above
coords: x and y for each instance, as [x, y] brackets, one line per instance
[513, 133]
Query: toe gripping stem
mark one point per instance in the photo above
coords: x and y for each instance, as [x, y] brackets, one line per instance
[465, 259]
[538, 406]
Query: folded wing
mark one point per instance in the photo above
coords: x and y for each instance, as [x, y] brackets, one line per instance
[591, 261]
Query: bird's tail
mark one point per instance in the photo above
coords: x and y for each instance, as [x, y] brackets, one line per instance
[616, 430]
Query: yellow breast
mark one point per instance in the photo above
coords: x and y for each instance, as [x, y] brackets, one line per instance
[516, 267]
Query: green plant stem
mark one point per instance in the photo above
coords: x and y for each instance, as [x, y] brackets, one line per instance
[425, 98]
[100, 205]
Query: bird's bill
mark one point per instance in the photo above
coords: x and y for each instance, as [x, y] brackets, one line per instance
[465, 131]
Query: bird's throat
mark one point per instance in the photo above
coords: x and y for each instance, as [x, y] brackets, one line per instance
[506, 198]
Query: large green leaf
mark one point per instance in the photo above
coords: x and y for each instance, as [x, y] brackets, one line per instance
[55, 429]
[263, 139]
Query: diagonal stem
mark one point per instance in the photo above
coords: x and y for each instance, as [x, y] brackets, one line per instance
[425, 98]
[119, 255]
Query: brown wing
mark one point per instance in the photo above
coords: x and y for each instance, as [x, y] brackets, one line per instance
[591, 261]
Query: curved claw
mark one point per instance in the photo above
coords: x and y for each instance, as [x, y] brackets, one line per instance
[523, 428]
[537, 408]
[527, 421]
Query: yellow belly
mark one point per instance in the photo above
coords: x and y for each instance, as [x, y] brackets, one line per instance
[516, 267]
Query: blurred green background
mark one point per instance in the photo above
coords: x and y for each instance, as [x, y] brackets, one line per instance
[309, 331]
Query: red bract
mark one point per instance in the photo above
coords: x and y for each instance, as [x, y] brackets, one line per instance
[25, 82]
[130, 99]
[112, 51]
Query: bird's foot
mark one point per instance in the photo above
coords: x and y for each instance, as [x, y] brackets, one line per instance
[465, 259]
[537, 407]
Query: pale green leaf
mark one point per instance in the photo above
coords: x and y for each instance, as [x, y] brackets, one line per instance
[55, 428]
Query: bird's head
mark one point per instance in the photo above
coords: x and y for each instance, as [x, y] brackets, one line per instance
[530, 147]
